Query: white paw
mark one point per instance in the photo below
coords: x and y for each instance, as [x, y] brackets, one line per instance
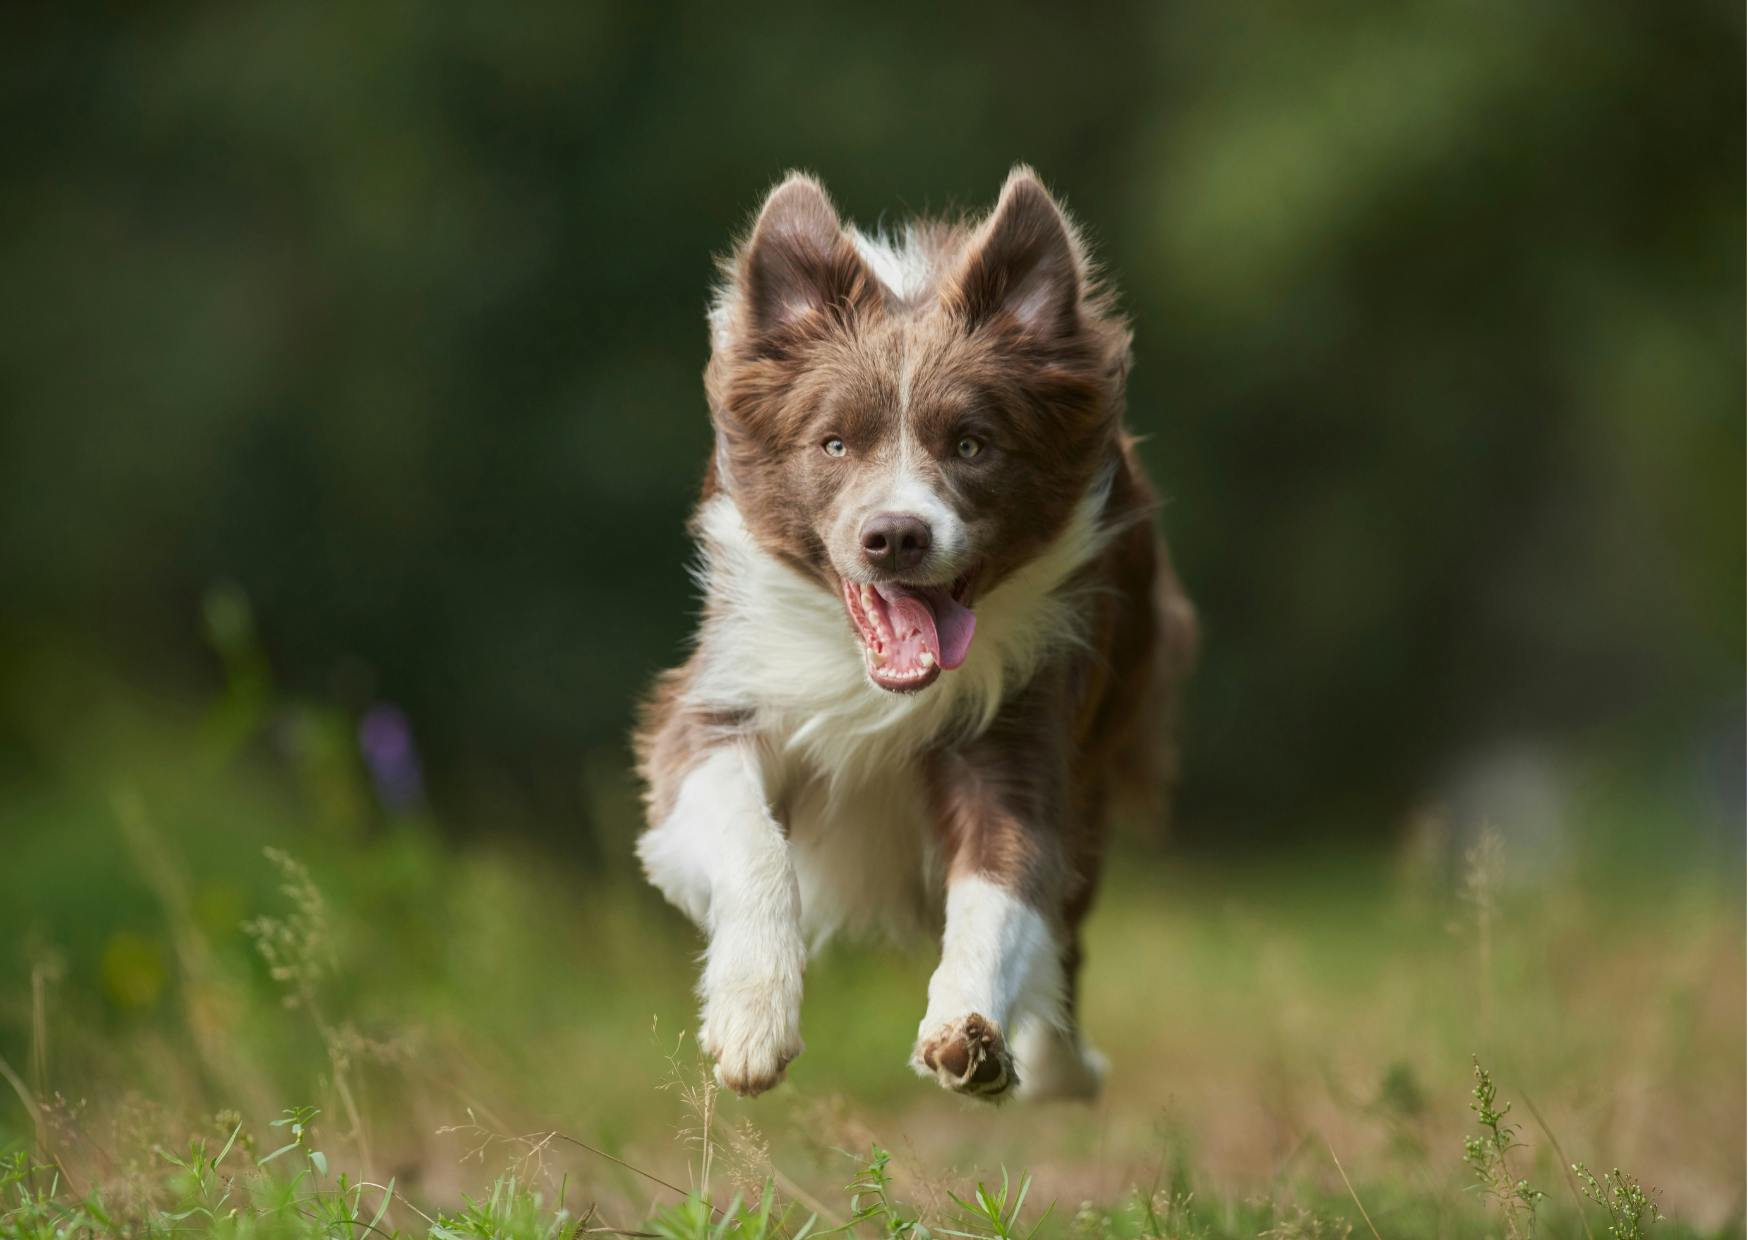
[967, 1056]
[1056, 1064]
[752, 1011]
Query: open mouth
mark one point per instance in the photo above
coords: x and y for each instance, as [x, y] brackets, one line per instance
[910, 634]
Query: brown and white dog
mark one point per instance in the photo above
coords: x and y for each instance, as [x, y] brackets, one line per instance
[939, 632]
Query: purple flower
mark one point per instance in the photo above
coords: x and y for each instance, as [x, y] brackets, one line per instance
[385, 739]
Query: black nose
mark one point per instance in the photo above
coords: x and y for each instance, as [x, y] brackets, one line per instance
[895, 541]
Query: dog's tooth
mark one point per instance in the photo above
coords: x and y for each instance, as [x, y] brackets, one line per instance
[927, 659]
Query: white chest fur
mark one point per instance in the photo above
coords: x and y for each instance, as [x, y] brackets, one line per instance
[839, 760]
[864, 854]
[777, 645]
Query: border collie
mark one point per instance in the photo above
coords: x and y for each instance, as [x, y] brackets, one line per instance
[939, 634]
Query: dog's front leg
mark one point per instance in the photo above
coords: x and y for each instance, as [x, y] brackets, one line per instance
[1000, 954]
[998, 962]
[721, 855]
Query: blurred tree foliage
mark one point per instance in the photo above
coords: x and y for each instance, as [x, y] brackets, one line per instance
[392, 315]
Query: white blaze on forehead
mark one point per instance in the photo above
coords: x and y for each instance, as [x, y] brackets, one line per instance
[900, 482]
[910, 490]
[905, 268]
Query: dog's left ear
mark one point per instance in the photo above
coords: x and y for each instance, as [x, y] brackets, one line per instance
[1024, 265]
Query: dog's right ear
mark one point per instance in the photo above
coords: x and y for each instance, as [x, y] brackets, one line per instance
[798, 272]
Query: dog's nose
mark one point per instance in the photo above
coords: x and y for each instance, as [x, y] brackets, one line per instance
[895, 541]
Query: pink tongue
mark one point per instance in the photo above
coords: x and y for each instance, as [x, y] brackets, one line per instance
[943, 626]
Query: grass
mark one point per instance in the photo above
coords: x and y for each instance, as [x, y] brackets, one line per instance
[293, 1191]
[207, 923]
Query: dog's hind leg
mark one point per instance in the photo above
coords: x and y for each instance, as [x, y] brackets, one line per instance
[1054, 1059]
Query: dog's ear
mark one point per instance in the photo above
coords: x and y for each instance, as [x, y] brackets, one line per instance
[798, 270]
[1023, 266]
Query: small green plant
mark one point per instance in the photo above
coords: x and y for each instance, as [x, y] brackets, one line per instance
[990, 1216]
[871, 1202]
[199, 1195]
[300, 1121]
[511, 1211]
[1488, 1155]
[1632, 1212]
[201, 1189]
[696, 1219]
[31, 1207]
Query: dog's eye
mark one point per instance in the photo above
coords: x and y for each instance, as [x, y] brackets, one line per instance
[969, 447]
[834, 446]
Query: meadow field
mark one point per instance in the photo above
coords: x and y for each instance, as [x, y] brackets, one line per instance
[240, 999]
[350, 419]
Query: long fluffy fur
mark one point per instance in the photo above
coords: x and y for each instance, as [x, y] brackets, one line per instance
[776, 646]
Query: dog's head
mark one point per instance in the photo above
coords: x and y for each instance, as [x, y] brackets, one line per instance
[910, 421]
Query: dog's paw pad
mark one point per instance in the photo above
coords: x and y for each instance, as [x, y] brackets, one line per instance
[968, 1056]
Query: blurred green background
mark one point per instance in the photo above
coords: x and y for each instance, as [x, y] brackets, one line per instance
[350, 415]
[390, 316]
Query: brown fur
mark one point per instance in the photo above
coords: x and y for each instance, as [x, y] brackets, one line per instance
[793, 376]
[1017, 344]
